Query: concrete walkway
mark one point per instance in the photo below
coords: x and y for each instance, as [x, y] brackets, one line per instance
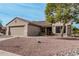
[4, 53]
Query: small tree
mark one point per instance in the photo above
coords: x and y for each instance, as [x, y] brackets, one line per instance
[56, 12]
[75, 30]
[1, 25]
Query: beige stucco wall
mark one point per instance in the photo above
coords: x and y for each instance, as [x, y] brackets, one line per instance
[17, 22]
[33, 30]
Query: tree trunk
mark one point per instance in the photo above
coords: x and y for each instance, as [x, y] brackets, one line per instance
[52, 31]
[62, 29]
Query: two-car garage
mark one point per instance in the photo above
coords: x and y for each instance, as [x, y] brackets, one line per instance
[17, 30]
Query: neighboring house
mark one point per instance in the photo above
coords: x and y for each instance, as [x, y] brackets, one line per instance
[2, 29]
[22, 27]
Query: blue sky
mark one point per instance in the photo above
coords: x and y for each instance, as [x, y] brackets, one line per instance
[29, 11]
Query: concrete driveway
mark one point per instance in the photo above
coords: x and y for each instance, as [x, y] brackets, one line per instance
[5, 53]
[5, 37]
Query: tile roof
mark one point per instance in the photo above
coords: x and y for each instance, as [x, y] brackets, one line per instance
[39, 23]
[42, 23]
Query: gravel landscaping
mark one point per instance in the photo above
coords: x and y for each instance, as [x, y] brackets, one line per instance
[41, 46]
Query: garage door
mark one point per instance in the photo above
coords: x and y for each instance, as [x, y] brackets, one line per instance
[17, 31]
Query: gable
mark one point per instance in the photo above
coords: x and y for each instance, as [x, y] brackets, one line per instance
[16, 22]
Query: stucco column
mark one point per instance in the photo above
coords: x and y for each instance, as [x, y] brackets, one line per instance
[7, 31]
[66, 30]
[26, 30]
[53, 29]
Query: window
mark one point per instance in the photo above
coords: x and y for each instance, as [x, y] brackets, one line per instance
[43, 30]
[58, 29]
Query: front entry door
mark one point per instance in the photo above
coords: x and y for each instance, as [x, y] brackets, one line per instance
[49, 30]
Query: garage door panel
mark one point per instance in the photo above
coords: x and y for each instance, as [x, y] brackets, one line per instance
[17, 31]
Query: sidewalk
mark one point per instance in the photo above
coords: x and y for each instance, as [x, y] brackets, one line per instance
[4, 53]
[1, 39]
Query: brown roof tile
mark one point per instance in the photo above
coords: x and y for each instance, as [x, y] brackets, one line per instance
[42, 23]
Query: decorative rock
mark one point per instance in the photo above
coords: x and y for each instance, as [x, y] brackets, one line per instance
[39, 41]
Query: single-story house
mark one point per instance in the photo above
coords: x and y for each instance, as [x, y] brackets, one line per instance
[22, 27]
[1, 27]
